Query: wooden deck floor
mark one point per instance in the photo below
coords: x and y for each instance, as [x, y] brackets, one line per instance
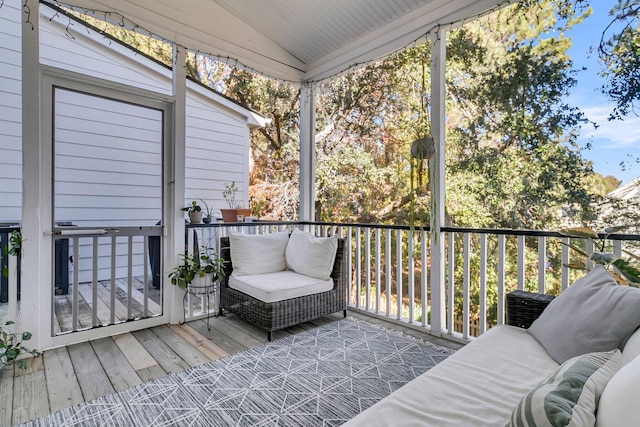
[66, 376]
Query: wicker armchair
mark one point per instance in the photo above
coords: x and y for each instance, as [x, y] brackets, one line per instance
[525, 307]
[282, 314]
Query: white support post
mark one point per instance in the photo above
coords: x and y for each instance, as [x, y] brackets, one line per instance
[436, 170]
[307, 153]
[35, 305]
[175, 179]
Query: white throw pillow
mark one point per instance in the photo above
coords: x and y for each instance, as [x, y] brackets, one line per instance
[618, 405]
[310, 255]
[570, 396]
[258, 253]
[631, 348]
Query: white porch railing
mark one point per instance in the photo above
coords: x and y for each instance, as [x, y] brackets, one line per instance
[390, 269]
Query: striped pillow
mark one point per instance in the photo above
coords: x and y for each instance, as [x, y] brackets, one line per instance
[569, 396]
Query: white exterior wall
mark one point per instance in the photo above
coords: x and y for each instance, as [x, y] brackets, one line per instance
[217, 133]
[10, 112]
[215, 152]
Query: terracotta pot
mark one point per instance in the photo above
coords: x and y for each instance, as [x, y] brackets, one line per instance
[229, 215]
[243, 211]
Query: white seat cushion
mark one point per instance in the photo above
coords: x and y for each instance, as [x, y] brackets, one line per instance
[282, 285]
[477, 386]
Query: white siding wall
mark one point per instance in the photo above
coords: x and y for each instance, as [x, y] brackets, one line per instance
[215, 152]
[10, 112]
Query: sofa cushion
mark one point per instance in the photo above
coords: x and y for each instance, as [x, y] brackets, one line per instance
[618, 405]
[310, 255]
[477, 386]
[594, 314]
[258, 253]
[569, 397]
[279, 286]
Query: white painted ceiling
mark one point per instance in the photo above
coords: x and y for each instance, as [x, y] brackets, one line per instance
[296, 40]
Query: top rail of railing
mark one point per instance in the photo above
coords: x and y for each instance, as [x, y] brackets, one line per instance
[496, 231]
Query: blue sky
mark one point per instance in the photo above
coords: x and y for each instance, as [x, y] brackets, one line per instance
[612, 142]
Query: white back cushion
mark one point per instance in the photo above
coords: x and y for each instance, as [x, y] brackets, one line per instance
[258, 253]
[310, 255]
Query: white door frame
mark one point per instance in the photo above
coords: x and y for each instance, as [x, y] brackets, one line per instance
[50, 79]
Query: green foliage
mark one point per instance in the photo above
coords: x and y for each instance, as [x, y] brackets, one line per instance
[11, 346]
[619, 54]
[208, 262]
[193, 207]
[14, 248]
[625, 272]
[229, 194]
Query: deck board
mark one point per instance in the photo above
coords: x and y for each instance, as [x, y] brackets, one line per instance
[30, 398]
[115, 364]
[62, 385]
[160, 351]
[6, 395]
[91, 375]
[180, 346]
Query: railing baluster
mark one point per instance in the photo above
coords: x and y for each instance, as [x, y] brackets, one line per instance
[130, 278]
[348, 250]
[423, 276]
[411, 268]
[387, 269]
[501, 275]
[376, 278]
[564, 260]
[358, 267]
[113, 280]
[74, 296]
[451, 283]
[521, 262]
[145, 277]
[542, 263]
[590, 248]
[466, 279]
[94, 283]
[367, 267]
[482, 321]
[399, 280]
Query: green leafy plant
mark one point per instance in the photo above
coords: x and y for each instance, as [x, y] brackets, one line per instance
[208, 213]
[13, 248]
[11, 346]
[229, 194]
[193, 207]
[625, 272]
[207, 262]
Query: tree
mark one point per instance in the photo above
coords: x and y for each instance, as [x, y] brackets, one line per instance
[619, 53]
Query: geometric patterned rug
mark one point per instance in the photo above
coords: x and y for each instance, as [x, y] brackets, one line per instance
[320, 377]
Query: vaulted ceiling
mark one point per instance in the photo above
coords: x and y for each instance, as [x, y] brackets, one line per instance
[296, 40]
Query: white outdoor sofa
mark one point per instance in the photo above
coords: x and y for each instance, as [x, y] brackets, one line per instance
[507, 367]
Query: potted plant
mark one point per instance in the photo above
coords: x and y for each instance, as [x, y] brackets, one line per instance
[11, 346]
[195, 212]
[198, 271]
[229, 195]
[625, 272]
[208, 214]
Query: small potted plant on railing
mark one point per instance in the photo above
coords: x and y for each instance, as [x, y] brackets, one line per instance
[625, 272]
[208, 213]
[199, 271]
[195, 212]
